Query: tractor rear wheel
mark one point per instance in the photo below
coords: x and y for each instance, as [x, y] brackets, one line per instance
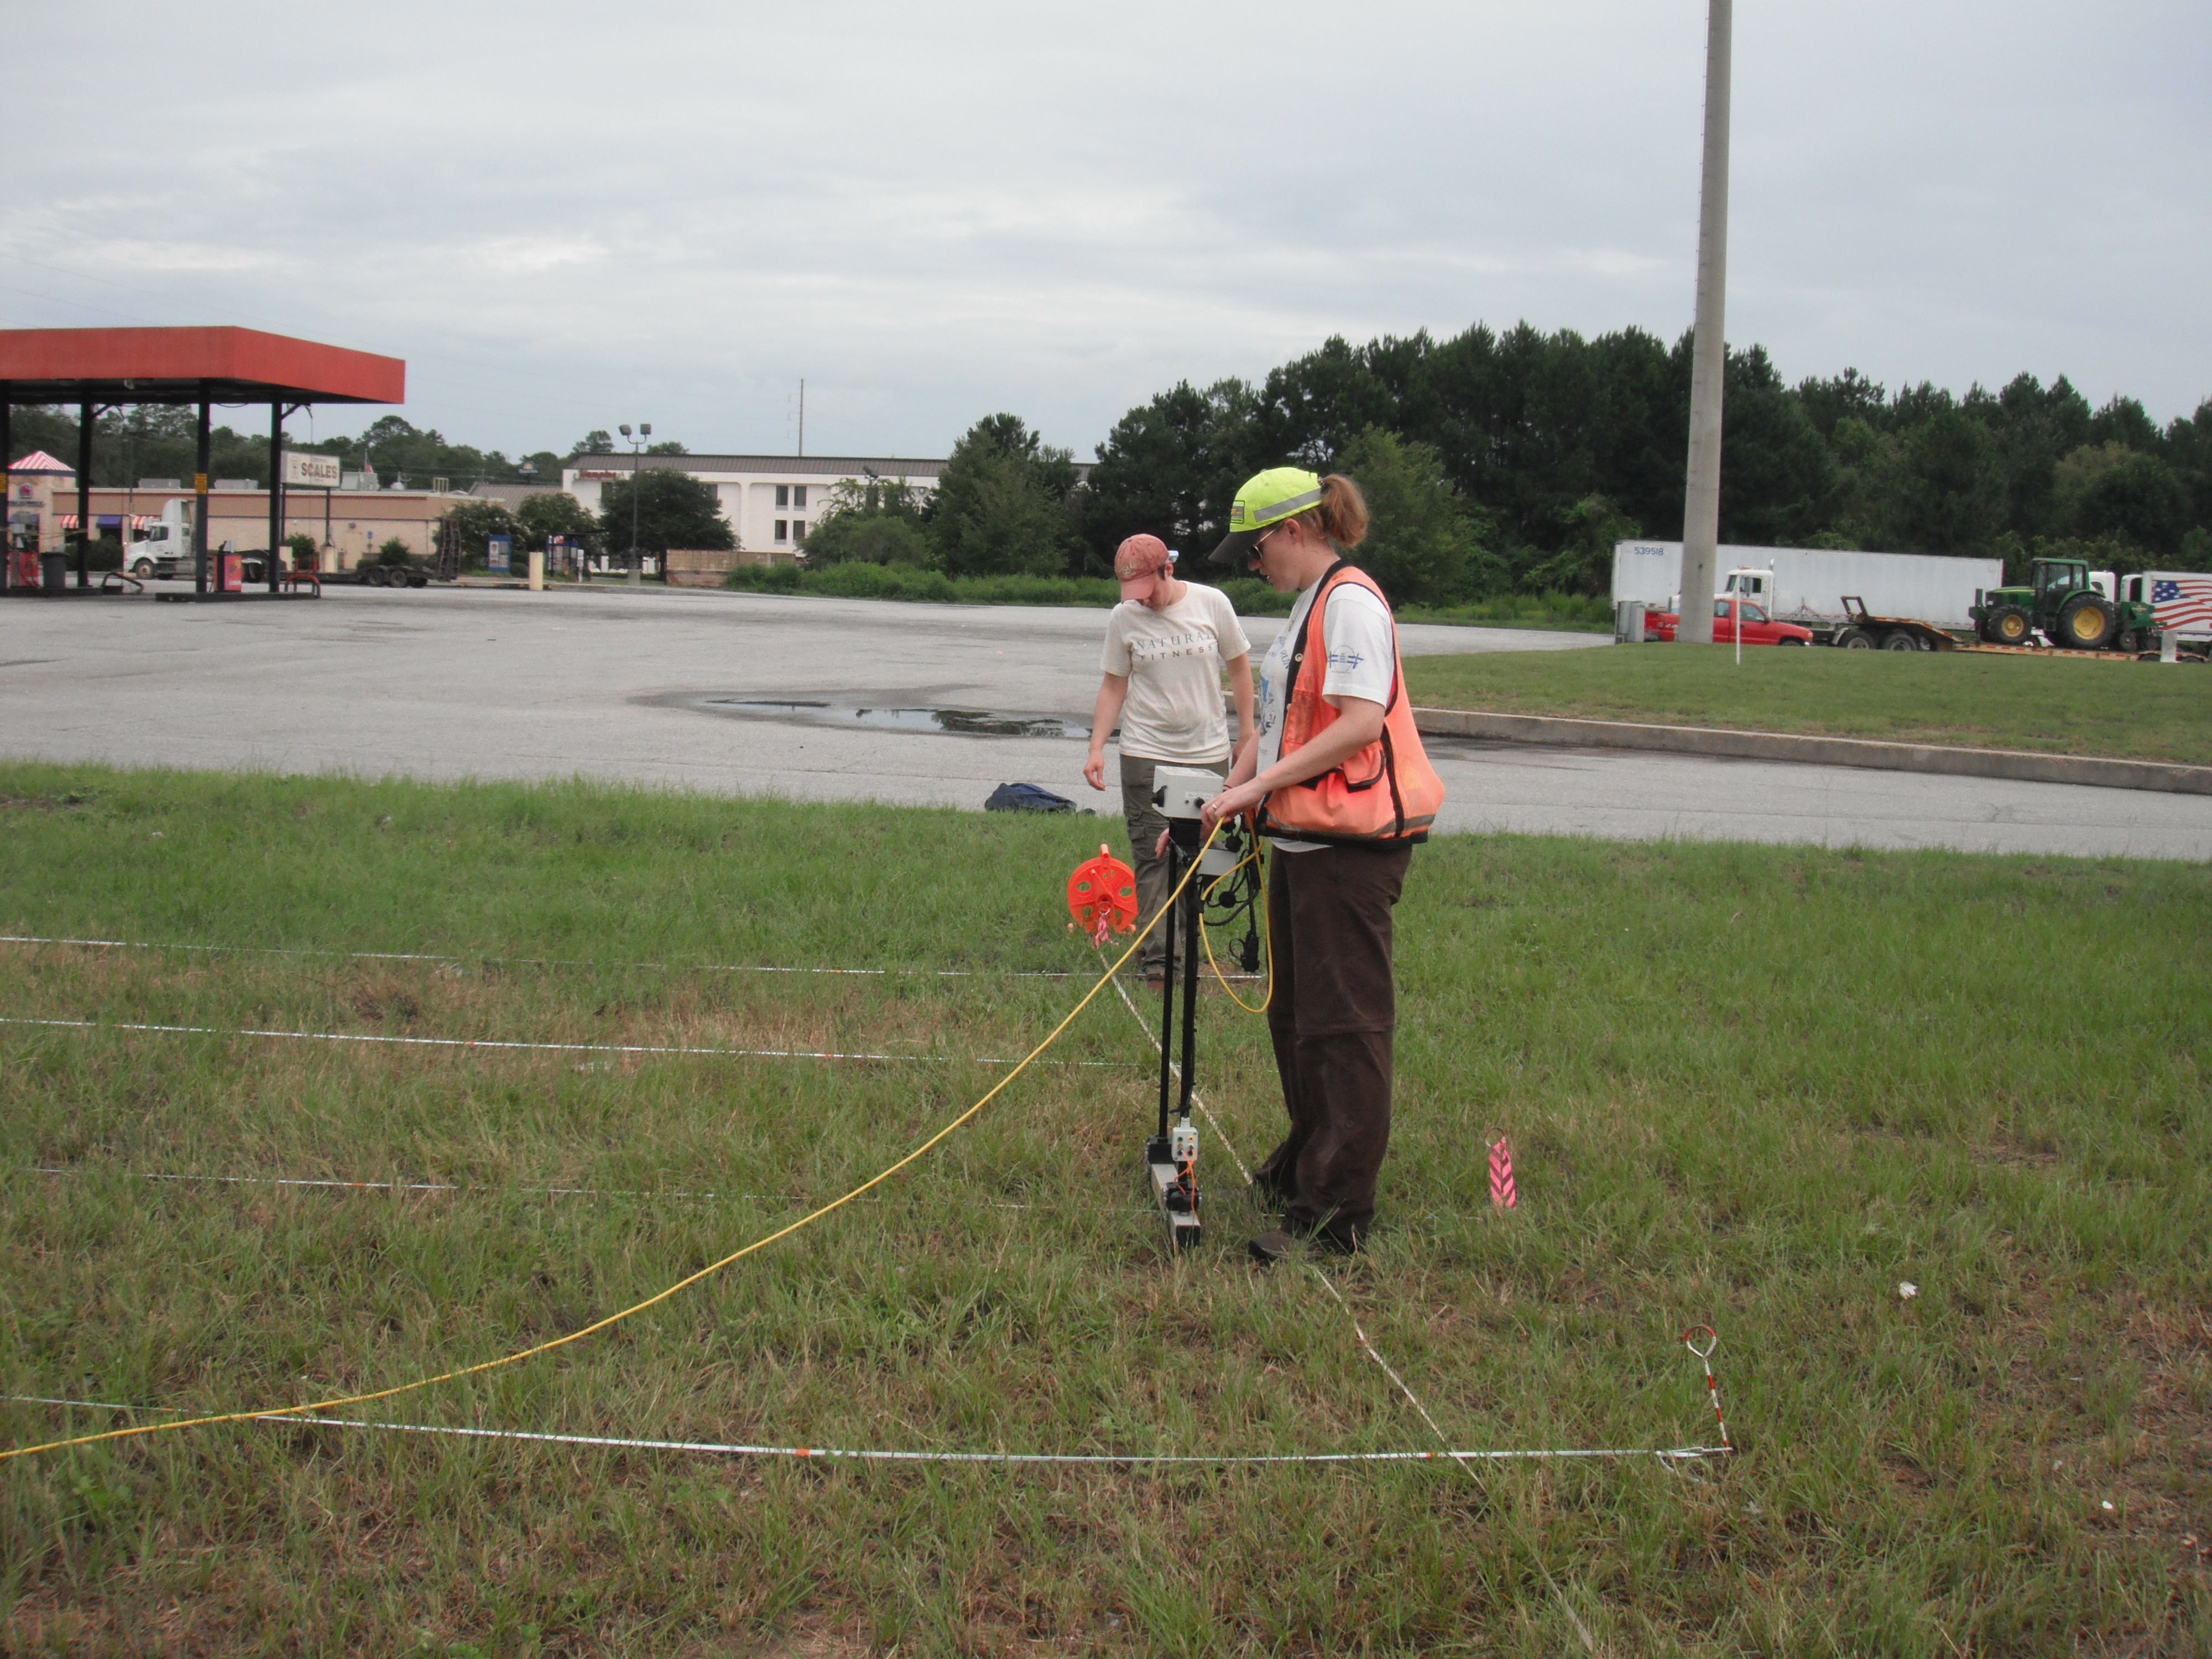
[2085, 623]
[2008, 625]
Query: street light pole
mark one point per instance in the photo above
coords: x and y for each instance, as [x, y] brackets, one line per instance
[1701, 493]
[636, 461]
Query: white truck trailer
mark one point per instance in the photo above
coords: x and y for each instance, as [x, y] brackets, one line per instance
[1808, 585]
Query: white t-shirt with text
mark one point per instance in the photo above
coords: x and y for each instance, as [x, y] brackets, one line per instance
[1362, 660]
[1173, 660]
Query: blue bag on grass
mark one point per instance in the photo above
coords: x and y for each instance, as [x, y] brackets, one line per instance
[1026, 798]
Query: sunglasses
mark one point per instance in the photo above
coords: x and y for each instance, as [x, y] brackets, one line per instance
[1252, 556]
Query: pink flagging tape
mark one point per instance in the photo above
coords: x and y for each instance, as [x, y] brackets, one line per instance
[1117, 1460]
[554, 1048]
[553, 962]
[1504, 1195]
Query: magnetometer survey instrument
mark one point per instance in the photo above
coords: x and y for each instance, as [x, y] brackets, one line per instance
[1171, 1154]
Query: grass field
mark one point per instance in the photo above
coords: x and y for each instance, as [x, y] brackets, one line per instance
[2140, 711]
[1754, 1086]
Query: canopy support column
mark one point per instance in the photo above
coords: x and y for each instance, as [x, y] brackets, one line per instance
[200, 464]
[83, 493]
[276, 488]
[8, 510]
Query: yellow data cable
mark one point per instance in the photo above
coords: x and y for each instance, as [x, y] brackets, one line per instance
[1253, 857]
[684, 1283]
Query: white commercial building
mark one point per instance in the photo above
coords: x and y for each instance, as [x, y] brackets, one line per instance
[770, 501]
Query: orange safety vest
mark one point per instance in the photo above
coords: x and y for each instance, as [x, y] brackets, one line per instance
[1387, 794]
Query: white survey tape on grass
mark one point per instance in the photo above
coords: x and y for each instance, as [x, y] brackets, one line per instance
[870, 1454]
[553, 962]
[792, 1199]
[1464, 1458]
[494, 1042]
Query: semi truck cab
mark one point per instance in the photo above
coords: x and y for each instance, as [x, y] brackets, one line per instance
[165, 549]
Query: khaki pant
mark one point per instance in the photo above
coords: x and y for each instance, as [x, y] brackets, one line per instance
[1332, 1015]
[1145, 821]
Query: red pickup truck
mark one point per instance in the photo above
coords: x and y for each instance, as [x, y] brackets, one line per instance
[1758, 629]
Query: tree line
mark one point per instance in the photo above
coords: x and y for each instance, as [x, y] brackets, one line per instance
[159, 440]
[1512, 462]
[1495, 463]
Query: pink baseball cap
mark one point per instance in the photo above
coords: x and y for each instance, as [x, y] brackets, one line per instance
[1137, 562]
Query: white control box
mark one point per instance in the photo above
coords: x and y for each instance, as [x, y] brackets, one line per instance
[1180, 791]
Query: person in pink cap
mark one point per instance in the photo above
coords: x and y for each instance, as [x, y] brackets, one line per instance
[1167, 644]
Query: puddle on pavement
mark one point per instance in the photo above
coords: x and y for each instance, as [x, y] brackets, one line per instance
[964, 722]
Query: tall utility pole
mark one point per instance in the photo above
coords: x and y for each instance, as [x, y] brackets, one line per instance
[1701, 495]
[802, 418]
[636, 461]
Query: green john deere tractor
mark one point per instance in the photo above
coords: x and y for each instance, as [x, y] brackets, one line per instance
[2060, 605]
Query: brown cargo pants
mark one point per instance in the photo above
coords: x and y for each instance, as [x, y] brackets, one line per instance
[1332, 1016]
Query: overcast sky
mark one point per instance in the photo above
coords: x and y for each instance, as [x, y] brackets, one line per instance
[568, 216]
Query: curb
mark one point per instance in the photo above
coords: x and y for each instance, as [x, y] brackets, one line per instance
[2022, 765]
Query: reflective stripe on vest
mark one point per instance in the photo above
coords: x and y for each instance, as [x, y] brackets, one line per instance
[1387, 793]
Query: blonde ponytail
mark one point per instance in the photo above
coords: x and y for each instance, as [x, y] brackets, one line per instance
[1342, 514]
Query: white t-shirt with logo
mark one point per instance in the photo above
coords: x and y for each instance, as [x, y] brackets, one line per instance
[1173, 660]
[1362, 660]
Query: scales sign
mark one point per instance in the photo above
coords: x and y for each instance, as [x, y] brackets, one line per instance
[310, 471]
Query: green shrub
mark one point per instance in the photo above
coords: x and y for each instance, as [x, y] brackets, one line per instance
[762, 579]
[1251, 596]
[879, 581]
[1254, 597]
[1522, 609]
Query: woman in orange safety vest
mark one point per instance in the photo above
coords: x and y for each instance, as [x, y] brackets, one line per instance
[1335, 775]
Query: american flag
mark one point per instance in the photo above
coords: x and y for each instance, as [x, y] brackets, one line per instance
[2182, 601]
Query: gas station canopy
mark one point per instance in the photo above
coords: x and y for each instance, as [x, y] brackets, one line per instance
[189, 366]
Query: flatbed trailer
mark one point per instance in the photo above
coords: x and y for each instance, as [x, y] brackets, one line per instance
[1864, 631]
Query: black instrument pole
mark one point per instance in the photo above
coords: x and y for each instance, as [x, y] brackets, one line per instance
[1167, 927]
[1193, 904]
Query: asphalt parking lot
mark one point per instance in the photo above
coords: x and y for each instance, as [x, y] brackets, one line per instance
[839, 699]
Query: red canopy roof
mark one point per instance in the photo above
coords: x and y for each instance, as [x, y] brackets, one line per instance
[39, 461]
[183, 365]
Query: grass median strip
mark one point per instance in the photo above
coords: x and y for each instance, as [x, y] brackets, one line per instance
[2139, 711]
[1751, 1086]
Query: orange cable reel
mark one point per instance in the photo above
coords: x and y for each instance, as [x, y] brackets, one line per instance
[1102, 896]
